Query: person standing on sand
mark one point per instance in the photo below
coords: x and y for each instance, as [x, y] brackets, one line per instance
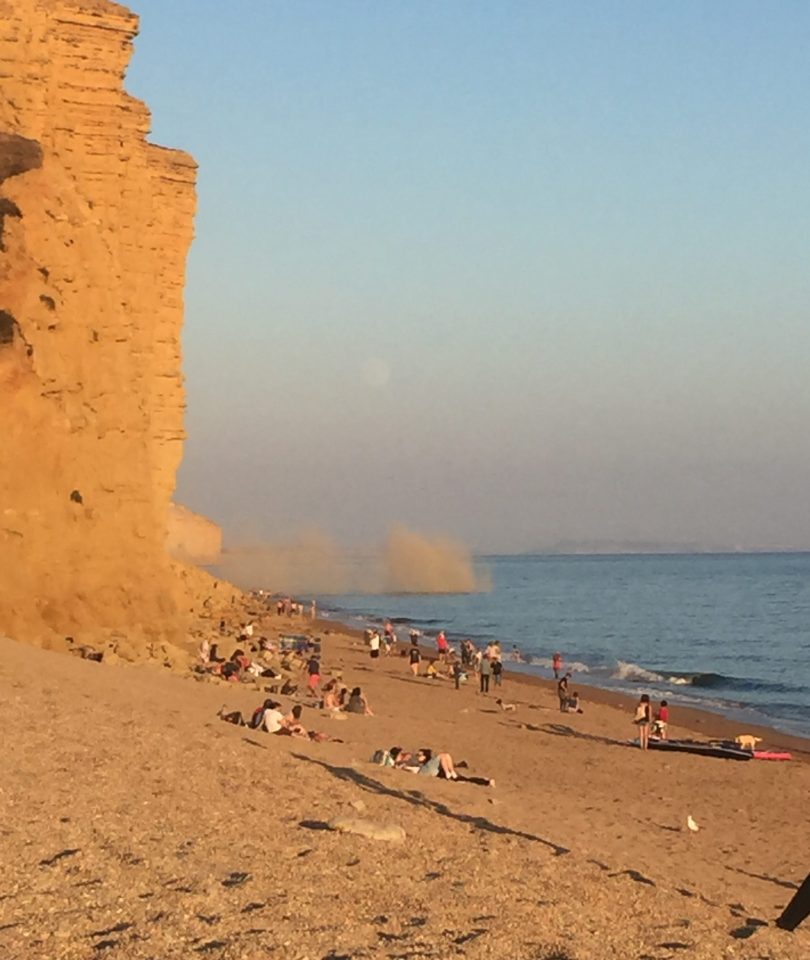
[642, 720]
[497, 672]
[557, 664]
[415, 658]
[661, 721]
[486, 673]
[442, 645]
[562, 693]
[374, 644]
[313, 674]
[313, 609]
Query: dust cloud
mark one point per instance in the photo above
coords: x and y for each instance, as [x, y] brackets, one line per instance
[313, 563]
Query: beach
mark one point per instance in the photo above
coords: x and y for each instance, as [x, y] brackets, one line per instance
[137, 824]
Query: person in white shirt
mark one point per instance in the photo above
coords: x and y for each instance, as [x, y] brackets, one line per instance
[272, 720]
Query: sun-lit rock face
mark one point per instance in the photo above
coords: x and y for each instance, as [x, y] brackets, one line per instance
[95, 225]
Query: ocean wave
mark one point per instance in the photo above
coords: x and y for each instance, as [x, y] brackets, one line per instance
[635, 673]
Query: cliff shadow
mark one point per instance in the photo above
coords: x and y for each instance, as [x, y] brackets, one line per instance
[417, 799]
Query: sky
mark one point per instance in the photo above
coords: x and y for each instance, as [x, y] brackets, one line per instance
[515, 272]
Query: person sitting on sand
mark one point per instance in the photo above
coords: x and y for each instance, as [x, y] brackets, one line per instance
[257, 718]
[573, 703]
[291, 723]
[432, 672]
[357, 703]
[272, 719]
[330, 696]
[506, 707]
[442, 766]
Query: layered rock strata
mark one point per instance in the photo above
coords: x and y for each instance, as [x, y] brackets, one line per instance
[95, 225]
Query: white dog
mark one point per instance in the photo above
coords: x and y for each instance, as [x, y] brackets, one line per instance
[747, 741]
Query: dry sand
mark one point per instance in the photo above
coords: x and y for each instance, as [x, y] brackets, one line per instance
[136, 824]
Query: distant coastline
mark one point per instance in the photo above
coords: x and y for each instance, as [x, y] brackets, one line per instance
[642, 548]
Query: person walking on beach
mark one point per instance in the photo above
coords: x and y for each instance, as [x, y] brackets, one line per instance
[442, 645]
[642, 720]
[557, 664]
[486, 673]
[497, 672]
[313, 674]
[415, 658]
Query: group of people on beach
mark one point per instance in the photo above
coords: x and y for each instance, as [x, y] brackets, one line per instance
[449, 663]
[650, 724]
[287, 607]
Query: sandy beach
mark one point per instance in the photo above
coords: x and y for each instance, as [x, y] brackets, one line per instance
[136, 824]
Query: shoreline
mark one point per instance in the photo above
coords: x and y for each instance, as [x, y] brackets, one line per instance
[700, 721]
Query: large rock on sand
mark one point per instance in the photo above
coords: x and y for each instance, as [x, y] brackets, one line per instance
[390, 832]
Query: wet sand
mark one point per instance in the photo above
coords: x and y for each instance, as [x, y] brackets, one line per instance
[136, 824]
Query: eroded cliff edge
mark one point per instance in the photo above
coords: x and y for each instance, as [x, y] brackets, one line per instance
[95, 226]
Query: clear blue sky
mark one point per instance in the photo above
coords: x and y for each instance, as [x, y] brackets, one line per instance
[515, 271]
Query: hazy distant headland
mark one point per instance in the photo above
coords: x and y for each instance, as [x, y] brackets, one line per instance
[631, 547]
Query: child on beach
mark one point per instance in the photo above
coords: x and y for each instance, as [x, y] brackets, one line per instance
[415, 657]
[643, 719]
[659, 727]
[497, 672]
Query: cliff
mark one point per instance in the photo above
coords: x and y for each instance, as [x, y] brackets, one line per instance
[95, 225]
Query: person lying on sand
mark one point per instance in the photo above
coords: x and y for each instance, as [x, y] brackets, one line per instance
[268, 711]
[506, 707]
[357, 703]
[442, 766]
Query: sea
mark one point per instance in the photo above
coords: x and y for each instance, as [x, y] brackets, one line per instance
[729, 633]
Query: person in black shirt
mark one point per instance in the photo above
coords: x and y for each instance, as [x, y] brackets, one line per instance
[415, 658]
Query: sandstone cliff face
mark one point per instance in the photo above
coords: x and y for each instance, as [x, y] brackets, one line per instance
[95, 225]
